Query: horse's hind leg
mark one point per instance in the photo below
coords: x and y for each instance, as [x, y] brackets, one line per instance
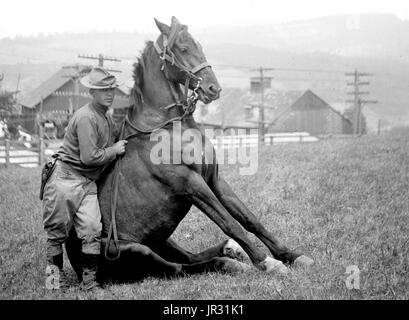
[247, 219]
[211, 260]
[171, 251]
[137, 260]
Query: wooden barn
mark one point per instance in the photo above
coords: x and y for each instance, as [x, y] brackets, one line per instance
[63, 93]
[311, 114]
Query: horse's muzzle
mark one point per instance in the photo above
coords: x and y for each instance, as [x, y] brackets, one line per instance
[211, 93]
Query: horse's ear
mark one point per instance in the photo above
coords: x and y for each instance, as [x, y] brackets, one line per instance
[175, 21]
[163, 28]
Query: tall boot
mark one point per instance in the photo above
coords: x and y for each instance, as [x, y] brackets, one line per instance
[60, 280]
[90, 269]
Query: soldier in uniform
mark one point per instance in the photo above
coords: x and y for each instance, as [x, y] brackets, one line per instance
[70, 194]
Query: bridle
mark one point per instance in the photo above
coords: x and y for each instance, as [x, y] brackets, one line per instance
[166, 54]
[188, 104]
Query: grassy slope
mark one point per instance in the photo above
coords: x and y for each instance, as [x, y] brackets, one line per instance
[343, 202]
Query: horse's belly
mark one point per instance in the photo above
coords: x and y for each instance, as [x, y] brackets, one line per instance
[146, 218]
[156, 224]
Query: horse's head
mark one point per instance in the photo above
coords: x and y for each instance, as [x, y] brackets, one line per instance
[186, 62]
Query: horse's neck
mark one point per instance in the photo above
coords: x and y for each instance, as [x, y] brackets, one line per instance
[156, 94]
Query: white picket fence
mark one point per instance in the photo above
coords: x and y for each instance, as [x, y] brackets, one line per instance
[24, 157]
[239, 141]
[31, 158]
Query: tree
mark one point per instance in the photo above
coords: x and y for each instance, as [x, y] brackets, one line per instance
[350, 114]
[8, 102]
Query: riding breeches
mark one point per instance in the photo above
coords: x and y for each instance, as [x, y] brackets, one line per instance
[70, 199]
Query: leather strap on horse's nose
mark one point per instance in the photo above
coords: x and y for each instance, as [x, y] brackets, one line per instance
[171, 58]
[200, 67]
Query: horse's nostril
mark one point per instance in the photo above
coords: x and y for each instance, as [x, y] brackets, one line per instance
[213, 89]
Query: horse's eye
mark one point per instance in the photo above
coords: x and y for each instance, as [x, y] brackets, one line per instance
[183, 49]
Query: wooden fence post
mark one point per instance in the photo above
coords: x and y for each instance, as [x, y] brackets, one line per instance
[41, 148]
[41, 152]
[7, 152]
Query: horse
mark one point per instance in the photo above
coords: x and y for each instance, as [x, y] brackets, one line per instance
[143, 202]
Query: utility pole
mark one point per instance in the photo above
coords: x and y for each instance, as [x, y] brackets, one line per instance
[18, 82]
[101, 58]
[261, 117]
[357, 100]
[1, 79]
[41, 134]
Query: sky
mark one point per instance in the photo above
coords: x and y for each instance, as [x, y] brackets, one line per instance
[28, 17]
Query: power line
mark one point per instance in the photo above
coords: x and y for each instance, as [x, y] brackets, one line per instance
[101, 58]
[284, 79]
[279, 69]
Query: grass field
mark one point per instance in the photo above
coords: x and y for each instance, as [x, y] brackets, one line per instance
[344, 202]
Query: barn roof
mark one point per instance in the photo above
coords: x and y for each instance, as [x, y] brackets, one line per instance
[55, 82]
[285, 109]
[309, 93]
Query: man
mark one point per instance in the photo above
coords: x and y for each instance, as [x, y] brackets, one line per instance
[4, 131]
[70, 195]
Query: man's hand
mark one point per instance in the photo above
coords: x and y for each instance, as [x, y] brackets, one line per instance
[119, 147]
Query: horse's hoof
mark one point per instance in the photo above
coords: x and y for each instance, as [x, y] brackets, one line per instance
[303, 261]
[233, 250]
[270, 265]
[234, 266]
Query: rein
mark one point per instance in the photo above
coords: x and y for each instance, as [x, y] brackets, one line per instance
[188, 105]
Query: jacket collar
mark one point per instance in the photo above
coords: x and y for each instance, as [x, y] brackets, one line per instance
[99, 108]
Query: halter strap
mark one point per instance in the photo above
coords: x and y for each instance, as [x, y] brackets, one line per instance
[200, 67]
[189, 105]
[171, 58]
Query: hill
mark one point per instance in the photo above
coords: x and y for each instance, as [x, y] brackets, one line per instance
[312, 54]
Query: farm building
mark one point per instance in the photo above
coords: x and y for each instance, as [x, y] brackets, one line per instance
[62, 93]
[311, 114]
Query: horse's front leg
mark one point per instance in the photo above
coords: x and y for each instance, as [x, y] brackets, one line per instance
[242, 214]
[204, 198]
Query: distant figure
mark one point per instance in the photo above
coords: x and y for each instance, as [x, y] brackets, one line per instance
[4, 131]
[50, 129]
[24, 136]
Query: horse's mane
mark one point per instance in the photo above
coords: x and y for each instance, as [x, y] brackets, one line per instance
[138, 72]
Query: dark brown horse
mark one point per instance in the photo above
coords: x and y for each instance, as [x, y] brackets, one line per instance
[150, 200]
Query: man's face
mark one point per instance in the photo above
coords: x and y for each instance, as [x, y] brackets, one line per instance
[104, 97]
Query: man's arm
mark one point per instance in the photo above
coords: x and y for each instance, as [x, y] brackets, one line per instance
[90, 153]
